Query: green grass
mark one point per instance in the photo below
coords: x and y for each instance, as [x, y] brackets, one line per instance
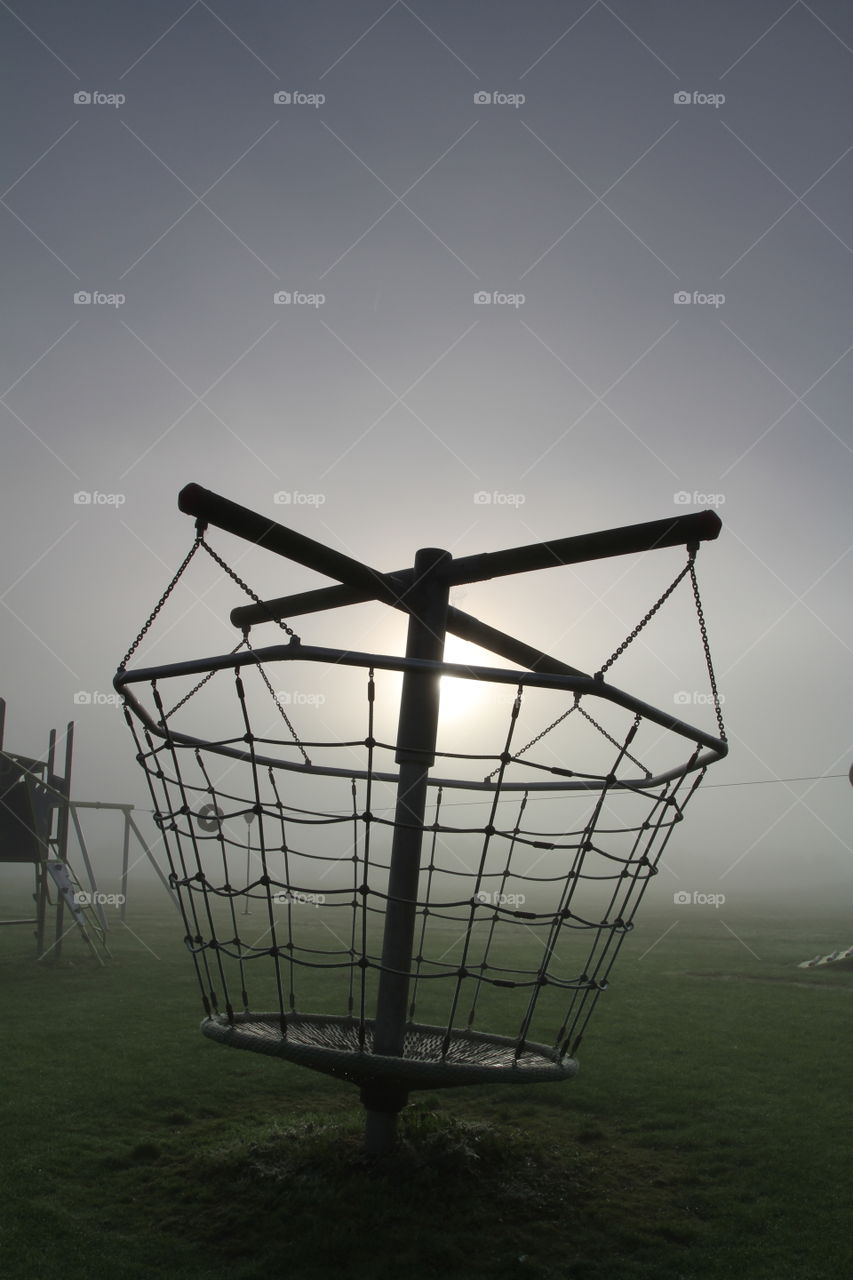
[705, 1137]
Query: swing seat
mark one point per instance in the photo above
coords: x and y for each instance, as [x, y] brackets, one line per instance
[343, 1047]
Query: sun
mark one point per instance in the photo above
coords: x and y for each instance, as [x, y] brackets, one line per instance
[461, 698]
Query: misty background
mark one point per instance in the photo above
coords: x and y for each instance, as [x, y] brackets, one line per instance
[656, 200]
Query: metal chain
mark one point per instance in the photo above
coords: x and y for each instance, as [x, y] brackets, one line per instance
[532, 743]
[200, 542]
[245, 587]
[519, 694]
[297, 740]
[199, 538]
[707, 647]
[196, 688]
[688, 568]
[576, 706]
[620, 746]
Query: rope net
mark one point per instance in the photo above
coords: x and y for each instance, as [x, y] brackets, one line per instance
[273, 776]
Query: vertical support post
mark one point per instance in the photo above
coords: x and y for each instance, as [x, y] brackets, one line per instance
[150, 856]
[125, 855]
[62, 785]
[52, 781]
[96, 905]
[40, 896]
[427, 602]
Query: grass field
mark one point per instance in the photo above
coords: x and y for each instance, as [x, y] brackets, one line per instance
[706, 1136]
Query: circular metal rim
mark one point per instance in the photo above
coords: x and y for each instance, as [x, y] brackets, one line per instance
[261, 1033]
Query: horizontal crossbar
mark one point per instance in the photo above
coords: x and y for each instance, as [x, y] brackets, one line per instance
[361, 583]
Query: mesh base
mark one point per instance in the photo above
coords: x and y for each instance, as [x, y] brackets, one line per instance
[332, 1045]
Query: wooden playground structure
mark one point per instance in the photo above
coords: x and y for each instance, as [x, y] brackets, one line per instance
[37, 816]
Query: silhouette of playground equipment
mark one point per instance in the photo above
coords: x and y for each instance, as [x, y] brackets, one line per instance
[833, 960]
[503, 878]
[37, 817]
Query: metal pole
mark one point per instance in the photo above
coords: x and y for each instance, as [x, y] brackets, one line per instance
[249, 820]
[195, 501]
[40, 896]
[653, 535]
[165, 883]
[416, 738]
[97, 907]
[125, 856]
[61, 811]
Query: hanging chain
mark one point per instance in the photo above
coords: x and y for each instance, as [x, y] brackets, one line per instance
[245, 587]
[707, 647]
[276, 700]
[576, 706]
[519, 695]
[620, 746]
[532, 743]
[688, 568]
[199, 537]
[196, 688]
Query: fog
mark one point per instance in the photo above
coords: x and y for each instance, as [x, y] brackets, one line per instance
[402, 410]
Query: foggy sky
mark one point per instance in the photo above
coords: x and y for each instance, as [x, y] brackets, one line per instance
[385, 409]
